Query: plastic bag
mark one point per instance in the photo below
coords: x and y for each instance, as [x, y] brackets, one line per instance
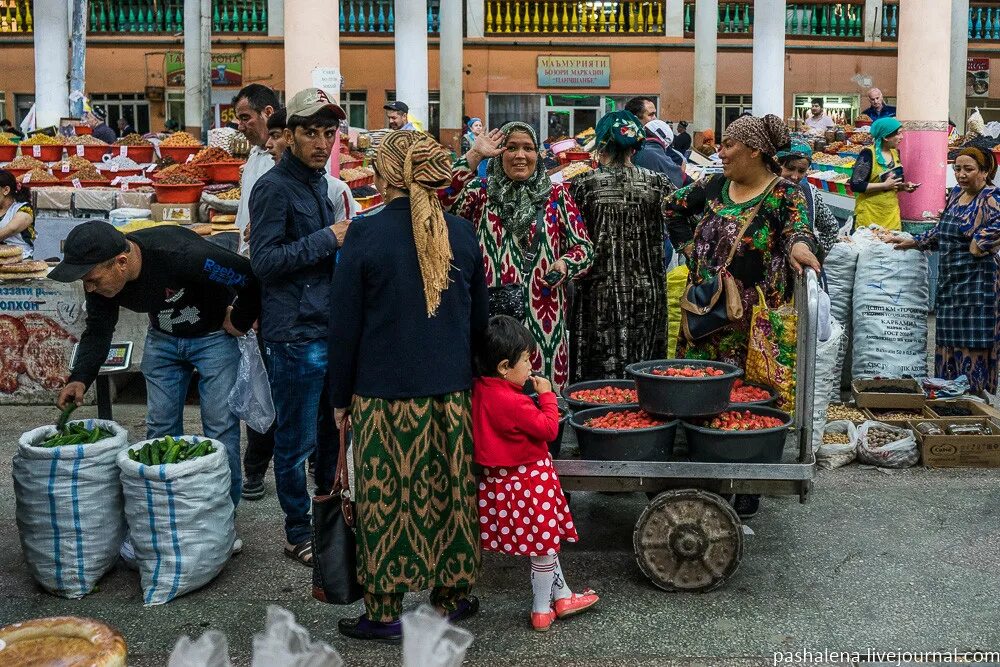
[250, 398]
[181, 520]
[211, 650]
[284, 642]
[840, 267]
[70, 510]
[429, 640]
[901, 453]
[771, 352]
[831, 456]
[826, 360]
[676, 282]
[939, 388]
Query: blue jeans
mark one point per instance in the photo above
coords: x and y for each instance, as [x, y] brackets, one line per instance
[167, 364]
[298, 377]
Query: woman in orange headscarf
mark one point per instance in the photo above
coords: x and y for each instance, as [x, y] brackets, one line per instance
[707, 146]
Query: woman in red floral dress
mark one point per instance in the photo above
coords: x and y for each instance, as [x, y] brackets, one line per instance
[527, 227]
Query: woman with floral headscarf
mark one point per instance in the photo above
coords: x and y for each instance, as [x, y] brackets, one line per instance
[877, 176]
[620, 310]
[528, 229]
[968, 291]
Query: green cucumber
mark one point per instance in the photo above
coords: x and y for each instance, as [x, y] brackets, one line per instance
[64, 416]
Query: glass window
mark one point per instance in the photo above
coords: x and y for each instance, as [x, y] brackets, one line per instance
[501, 109]
[617, 102]
[355, 103]
[131, 105]
[727, 109]
[842, 108]
[174, 106]
[22, 105]
[3, 105]
[433, 110]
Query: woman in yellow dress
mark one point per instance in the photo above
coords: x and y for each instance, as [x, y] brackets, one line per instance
[877, 177]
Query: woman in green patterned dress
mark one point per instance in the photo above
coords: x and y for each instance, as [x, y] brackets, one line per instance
[705, 218]
[410, 304]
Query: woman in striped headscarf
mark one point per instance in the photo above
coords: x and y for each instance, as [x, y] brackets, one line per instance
[968, 291]
[409, 300]
[528, 229]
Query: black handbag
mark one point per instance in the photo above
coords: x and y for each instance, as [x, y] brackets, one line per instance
[510, 299]
[715, 302]
[335, 571]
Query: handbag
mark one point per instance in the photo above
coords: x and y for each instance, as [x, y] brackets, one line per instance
[713, 303]
[335, 572]
[510, 299]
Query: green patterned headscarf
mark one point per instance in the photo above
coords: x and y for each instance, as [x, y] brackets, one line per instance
[621, 128]
[517, 202]
[881, 129]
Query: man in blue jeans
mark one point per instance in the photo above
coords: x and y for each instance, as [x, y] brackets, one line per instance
[199, 296]
[293, 244]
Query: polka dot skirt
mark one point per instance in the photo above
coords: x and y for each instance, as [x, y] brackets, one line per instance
[522, 510]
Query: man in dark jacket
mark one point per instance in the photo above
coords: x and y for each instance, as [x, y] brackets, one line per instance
[682, 140]
[657, 155]
[100, 129]
[293, 244]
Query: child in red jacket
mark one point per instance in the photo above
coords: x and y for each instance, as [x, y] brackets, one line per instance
[522, 509]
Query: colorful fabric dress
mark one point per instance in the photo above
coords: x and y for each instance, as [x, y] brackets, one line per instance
[563, 236]
[704, 221]
[968, 292]
[620, 309]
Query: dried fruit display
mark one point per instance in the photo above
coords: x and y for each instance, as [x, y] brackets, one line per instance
[180, 139]
[25, 162]
[85, 140]
[178, 179]
[133, 139]
[211, 154]
[37, 175]
[41, 140]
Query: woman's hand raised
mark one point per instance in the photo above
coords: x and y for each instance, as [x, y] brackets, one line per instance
[487, 145]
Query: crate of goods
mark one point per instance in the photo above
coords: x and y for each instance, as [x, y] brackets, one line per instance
[357, 177]
[87, 147]
[959, 442]
[8, 149]
[896, 416]
[961, 407]
[133, 146]
[180, 146]
[224, 171]
[42, 147]
[903, 394]
[178, 189]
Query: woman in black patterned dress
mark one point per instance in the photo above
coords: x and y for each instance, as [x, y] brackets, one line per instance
[619, 311]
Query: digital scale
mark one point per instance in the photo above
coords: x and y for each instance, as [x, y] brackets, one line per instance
[119, 360]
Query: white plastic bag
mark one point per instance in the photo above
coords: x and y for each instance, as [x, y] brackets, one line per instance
[429, 640]
[834, 456]
[901, 453]
[250, 398]
[181, 520]
[70, 515]
[284, 642]
[826, 361]
[211, 650]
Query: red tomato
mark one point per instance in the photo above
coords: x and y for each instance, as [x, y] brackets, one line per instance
[624, 420]
[687, 371]
[744, 421]
[609, 395]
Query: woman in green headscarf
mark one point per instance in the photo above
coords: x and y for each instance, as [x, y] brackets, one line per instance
[877, 177]
[620, 310]
[528, 228]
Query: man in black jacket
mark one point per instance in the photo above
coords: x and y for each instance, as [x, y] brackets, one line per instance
[293, 243]
[188, 287]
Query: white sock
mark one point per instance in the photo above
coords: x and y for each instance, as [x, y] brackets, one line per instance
[560, 589]
[543, 571]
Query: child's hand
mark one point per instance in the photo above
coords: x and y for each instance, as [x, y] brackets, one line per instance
[542, 385]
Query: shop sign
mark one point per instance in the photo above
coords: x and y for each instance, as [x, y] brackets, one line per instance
[977, 77]
[226, 68]
[574, 71]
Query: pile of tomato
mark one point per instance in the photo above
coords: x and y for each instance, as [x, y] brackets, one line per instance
[624, 420]
[687, 372]
[747, 393]
[609, 395]
[734, 420]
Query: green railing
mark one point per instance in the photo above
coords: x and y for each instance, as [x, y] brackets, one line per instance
[15, 16]
[167, 16]
[825, 20]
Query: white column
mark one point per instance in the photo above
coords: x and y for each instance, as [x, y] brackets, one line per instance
[769, 57]
[275, 18]
[411, 57]
[312, 47]
[51, 61]
[959, 62]
[673, 18]
[706, 37]
[194, 65]
[450, 57]
[475, 19]
[873, 21]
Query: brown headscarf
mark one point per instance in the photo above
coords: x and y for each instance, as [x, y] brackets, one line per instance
[767, 135]
[414, 162]
[985, 160]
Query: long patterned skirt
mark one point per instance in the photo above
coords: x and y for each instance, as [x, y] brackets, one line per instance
[979, 364]
[416, 524]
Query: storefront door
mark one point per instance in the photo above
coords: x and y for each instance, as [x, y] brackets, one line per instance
[562, 120]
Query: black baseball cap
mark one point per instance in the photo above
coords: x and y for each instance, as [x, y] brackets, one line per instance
[87, 245]
[397, 106]
[683, 123]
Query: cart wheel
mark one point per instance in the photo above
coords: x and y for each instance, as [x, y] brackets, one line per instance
[688, 540]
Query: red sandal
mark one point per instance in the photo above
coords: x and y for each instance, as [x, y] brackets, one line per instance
[575, 603]
[542, 622]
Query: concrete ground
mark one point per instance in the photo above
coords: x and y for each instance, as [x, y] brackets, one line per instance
[902, 561]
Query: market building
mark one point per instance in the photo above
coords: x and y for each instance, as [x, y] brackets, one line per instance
[556, 64]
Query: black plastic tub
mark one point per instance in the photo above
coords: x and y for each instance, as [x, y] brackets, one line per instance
[768, 402]
[575, 405]
[643, 444]
[555, 446]
[709, 445]
[679, 396]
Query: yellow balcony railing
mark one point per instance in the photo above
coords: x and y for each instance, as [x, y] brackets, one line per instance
[569, 16]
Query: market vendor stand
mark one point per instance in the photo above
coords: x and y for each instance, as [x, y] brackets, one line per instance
[689, 538]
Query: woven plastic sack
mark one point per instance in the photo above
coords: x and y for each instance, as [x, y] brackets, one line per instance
[70, 515]
[840, 267]
[250, 398]
[835, 456]
[826, 360]
[676, 282]
[181, 520]
[771, 351]
[901, 453]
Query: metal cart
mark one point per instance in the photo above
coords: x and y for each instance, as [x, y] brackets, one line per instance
[689, 538]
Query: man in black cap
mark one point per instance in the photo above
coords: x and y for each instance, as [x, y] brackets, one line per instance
[199, 296]
[100, 129]
[682, 140]
[396, 116]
